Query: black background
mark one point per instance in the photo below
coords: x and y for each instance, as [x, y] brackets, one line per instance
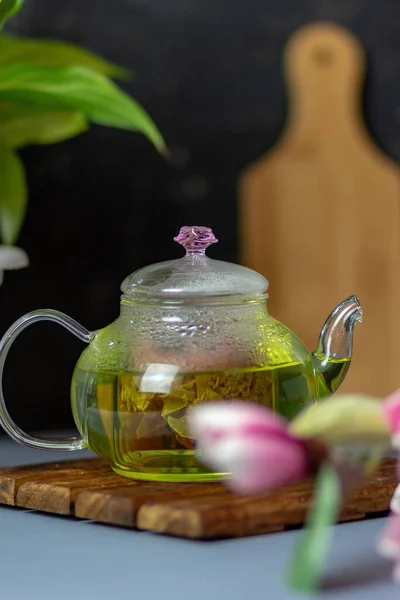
[104, 204]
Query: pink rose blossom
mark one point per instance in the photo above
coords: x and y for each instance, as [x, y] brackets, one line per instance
[254, 446]
[389, 543]
[250, 443]
[391, 409]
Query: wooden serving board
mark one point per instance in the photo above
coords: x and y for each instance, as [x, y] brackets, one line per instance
[88, 489]
[320, 212]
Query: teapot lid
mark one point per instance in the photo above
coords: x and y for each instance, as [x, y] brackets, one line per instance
[195, 274]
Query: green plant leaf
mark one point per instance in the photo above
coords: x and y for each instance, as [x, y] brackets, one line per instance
[13, 196]
[54, 53]
[78, 89]
[22, 125]
[9, 8]
[309, 556]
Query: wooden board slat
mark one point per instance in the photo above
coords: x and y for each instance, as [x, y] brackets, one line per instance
[89, 489]
[119, 506]
[58, 495]
[228, 517]
[233, 516]
[11, 478]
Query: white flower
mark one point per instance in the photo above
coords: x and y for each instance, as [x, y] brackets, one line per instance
[12, 257]
[395, 501]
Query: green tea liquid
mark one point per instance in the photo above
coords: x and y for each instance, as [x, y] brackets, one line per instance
[142, 433]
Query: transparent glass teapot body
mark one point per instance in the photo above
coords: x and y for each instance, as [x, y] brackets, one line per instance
[182, 339]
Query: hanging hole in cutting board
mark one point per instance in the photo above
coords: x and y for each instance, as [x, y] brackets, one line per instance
[323, 56]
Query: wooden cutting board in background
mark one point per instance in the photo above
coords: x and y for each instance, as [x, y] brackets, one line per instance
[319, 213]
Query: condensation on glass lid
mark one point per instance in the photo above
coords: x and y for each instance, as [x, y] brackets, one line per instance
[195, 274]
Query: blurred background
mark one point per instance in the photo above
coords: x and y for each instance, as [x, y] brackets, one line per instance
[105, 203]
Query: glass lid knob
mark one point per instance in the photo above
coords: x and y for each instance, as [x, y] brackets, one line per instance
[195, 239]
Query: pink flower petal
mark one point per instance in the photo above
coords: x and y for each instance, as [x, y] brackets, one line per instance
[249, 442]
[391, 410]
[257, 464]
[389, 542]
[211, 421]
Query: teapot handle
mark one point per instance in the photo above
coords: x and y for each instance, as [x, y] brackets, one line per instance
[5, 344]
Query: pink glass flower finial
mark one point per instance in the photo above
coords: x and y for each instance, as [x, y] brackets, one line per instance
[195, 239]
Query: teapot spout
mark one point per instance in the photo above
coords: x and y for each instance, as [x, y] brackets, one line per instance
[335, 344]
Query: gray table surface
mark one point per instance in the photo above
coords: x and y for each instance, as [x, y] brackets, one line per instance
[44, 557]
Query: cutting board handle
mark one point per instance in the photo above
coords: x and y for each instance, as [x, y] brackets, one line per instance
[324, 68]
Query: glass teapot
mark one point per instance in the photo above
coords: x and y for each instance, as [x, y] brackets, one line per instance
[190, 330]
